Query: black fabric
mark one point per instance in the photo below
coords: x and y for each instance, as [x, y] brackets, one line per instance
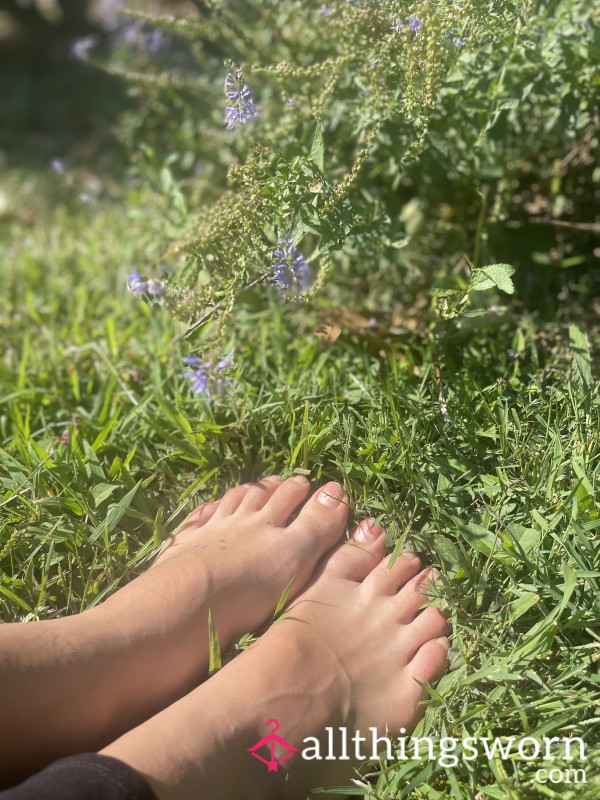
[84, 777]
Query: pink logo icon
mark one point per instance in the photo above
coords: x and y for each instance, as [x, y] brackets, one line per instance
[270, 741]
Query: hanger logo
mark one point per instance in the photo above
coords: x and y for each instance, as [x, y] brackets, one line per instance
[271, 741]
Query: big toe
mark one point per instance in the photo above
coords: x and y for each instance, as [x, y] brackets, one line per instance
[322, 519]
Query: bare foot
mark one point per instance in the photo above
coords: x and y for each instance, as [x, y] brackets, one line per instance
[235, 558]
[91, 677]
[348, 653]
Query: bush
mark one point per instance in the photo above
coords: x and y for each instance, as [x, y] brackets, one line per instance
[381, 147]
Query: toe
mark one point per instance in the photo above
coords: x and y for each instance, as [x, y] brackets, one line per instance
[200, 516]
[413, 596]
[192, 524]
[285, 500]
[322, 519]
[231, 501]
[259, 494]
[428, 665]
[429, 624]
[355, 559]
[388, 576]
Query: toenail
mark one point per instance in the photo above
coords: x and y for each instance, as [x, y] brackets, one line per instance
[368, 531]
[327, 495]
[272, 478]
[409, 554]
[444, 642]
[300, 479]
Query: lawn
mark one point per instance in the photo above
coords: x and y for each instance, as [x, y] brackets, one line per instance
[475, 441]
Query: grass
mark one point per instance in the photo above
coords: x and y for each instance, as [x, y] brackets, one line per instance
[503, 500]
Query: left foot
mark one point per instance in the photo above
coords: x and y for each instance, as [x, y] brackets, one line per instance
[91, 677]
[235, 558]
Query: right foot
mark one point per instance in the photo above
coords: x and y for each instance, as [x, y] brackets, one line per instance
[350, 652]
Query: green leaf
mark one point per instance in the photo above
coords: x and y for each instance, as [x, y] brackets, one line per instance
[317, 149]
[115, 514]
[494, 275]
[103, 491]
[580, 347]
[14, 597]
[214, 648]
[448, 552]
[284, 597]
[478, 537]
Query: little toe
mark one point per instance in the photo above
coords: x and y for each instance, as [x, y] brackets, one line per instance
[191, 526]
[200, 516]
[259, 493]
[387, 577]
[323, 518]
[355, 559]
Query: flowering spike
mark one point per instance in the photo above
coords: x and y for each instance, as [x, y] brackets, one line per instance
[241, 107]
[141, 286]
[205, 377]
[291, 271]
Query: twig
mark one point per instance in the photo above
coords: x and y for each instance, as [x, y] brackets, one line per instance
[218, 307]
[593, 227]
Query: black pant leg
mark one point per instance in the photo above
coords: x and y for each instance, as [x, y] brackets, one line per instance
[83, 777]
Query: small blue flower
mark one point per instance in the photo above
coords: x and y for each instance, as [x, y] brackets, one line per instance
[291, 271]
[58, 165]
[141, 286]
[326, 11]
[240, 102]
[137, 284]
[414, 23]
[205, 378]
[459, 41]
[397, 26]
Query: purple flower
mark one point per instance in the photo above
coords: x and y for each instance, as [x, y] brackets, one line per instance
[326, 11]
[397, 26]
[141, 286]
[65, 437]
[414, 23]
[240, 102]
[58, 165]
[137, 284]
[205, 378]
[459, 41]
[291, 271]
